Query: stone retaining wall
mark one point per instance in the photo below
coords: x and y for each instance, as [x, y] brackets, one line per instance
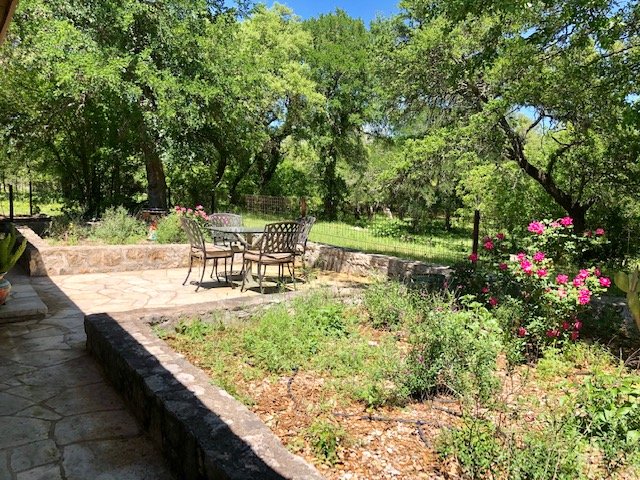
[203, 432]
[42, 259]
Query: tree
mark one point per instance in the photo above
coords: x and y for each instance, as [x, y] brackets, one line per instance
[572, 65]
[339, 63]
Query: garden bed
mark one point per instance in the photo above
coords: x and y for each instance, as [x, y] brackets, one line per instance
[351, 388]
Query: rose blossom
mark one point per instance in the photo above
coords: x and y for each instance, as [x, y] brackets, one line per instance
[503, 266]
[493, 301]
[578, 282]
[485, 289]
[566, 221]
[521, 256]
[577, 325]
[553, 333]
[473, 257]
[574, 335]
[562, 293]
[565, 325]
[538, 257]
[599, 231]
[536, 227]
[584, 296]
[541, 272]
[583, 273]
[604, 282]
[501, 236]
[587, 233]
[555, 224]
[562, 279]
[527, 266]
[597, 272]
[522, 331]
[488, 245]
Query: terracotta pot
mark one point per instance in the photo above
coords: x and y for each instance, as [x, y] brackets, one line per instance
[5, 288]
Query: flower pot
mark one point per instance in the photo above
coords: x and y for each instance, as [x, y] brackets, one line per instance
[5, 288]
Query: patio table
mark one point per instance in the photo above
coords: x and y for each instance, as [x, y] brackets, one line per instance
[245, 235]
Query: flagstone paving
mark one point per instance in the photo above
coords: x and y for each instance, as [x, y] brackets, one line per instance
[59, 419]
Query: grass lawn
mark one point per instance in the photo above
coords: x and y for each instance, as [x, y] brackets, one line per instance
[440, 247]
[21, 207]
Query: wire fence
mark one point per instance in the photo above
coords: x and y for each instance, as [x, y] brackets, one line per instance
[380, 232]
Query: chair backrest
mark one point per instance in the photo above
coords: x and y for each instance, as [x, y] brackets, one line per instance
[280, 237]
[305, 228]
[225, 220]
[194, 234]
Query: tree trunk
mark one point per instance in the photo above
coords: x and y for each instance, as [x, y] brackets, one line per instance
[156, 182]
[330, 200]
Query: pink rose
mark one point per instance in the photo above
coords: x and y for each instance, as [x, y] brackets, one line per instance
[562, 293]
[493, 301]
[538, 257]
[199, 207]
[536, 227]
[522, 331]
[587, 233]
[555, 224]
[553, 333]
[501, 236]
[541, 272]
[177, 208]
[604, 282]
[189, 210]
[584, 296]
[473, 257]
[521, 256]
[565, 325]
[577, 325]
[583, 273]
[561, 279]
[566, 221]
[527, 266]
[597, 272]
[574, 335]
[503, 266]
[183, 210]
[488, 245]
[599, 231]
[486, 239]
[578, 282]
[485, 289]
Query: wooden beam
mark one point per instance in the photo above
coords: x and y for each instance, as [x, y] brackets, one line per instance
[7, 7]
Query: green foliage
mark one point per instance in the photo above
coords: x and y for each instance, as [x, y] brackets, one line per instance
[608, 411]
[9, 252]
[389, 304]
[482, 450]
[117, 227]
[389, 227]
[326, 437]
[169, 230]
[454, 349]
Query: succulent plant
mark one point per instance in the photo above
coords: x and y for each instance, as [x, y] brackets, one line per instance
[9, 254]
[628, 283]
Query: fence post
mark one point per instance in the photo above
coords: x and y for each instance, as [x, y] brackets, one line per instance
[303, 207]
[30, 199]
[11, 203]
[476, 231]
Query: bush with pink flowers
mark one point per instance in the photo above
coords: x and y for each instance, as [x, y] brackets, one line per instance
[543, 276]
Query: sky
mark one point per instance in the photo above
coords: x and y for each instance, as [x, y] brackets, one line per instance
[367, 10]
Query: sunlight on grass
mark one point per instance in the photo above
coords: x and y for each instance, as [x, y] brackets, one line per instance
[21, 207]
[440, 247]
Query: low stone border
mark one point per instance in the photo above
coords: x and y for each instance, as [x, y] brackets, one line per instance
[202, 431]
[41, 259]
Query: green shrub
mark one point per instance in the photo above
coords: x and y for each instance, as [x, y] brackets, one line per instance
[169, 230]
[117, 227]
[483, 451]
[389, 304]
[326, 438]
[455, 349]
[389, 227]
[68, 229]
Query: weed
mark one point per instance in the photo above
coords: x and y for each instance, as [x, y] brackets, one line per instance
[326, 437]
[117, 227]
[169, 230]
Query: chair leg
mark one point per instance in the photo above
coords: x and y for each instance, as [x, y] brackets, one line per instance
[244, 273]
[293, 273]
[189, 272]
[204, 269]
[226, 272]
[260, 277]
[215, 267]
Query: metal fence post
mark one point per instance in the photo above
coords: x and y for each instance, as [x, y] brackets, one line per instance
[11, 203]
[476, 231]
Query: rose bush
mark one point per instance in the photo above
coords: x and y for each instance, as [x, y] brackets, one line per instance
[543, 276]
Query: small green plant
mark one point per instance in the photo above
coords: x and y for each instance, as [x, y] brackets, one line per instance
[117, 227]
[9, 253]
[326, 437]
[628, 283]
[389, 227]
[169, 230]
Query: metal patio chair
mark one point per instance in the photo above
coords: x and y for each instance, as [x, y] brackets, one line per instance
[305, 228]
[277, 246]
[204, 251]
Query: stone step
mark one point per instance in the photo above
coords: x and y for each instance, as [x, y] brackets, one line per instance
[23, 304]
